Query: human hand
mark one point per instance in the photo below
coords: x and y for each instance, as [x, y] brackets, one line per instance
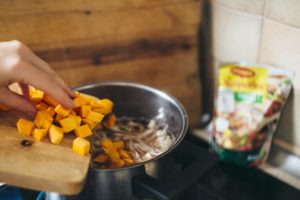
[19, 64]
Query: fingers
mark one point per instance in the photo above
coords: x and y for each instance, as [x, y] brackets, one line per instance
[41, 64]
[16, 101]
[39, 79]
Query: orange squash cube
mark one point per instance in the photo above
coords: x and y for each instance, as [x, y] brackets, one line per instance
[111, 120]
[50, 101]
[128, 162]
[36, 95]
[84, 110]
[46, 125]
[116, 163]
[43, 120]
[99, 110]
[123, 153]
[111, 152]
[55, 134]
[81, 146]
[94, 116]
[88, 99]
[106, 142]
[44, 114]
[39, 134]
[108, 104]
[77, 118]
[62, 111]
[101, 158]
[103, 106]
[90, 123]
[42, 106]
[68, 124]
[79, 101]
[24, 126]
[119, 144]
[83, 131]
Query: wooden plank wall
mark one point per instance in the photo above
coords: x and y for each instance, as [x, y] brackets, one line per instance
[152, 42]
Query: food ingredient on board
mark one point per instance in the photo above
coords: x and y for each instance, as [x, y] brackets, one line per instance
[55, 121]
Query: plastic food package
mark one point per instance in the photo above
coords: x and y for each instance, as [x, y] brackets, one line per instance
[249, 102]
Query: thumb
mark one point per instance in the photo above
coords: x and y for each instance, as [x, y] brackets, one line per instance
[16, 101]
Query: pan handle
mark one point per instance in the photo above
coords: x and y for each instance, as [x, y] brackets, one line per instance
[145, 186]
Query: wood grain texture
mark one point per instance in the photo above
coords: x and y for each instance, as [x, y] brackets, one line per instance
[149, 42]
[41, 166]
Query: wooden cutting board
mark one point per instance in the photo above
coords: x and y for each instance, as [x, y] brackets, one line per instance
[41, 166]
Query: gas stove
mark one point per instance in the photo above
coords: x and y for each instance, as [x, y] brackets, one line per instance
[226, 181]
[175, 177]
[222, 181]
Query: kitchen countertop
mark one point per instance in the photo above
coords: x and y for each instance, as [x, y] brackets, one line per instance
[283, 161]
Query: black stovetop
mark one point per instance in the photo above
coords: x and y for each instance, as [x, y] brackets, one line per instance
[223, 181]
[226, 181]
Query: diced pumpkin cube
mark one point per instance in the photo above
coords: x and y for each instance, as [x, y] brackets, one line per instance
[92, 102]
[36, 95]
[88, 99]
[105, 105]
[81, 146]
[39, 134]
[77, 119]
[83, 131]
[94, 116]
[97, 104]
[106, 142]
[79, 101]
[51, 110]
[116, 163]
[32, 91]
[24, 126]
[44, 114]
[111, 120]
[43, 120]
[42, 106]
[99, 110]
[46, 125]
[101, 158]
[128, 162]
[68, 124]
[50, 101]
[123, 153]
[119, 144]
[111, 152]
[84, 110]
[90, 123]
[62, 111]
[55, 134]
